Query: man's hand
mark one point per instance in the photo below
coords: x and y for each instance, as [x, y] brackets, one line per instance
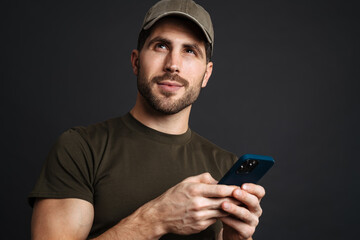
[189, 207]
[244, 218]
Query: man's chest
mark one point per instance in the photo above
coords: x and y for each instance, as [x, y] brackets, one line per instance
[129, 177]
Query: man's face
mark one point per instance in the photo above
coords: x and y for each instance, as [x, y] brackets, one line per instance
[171, 68]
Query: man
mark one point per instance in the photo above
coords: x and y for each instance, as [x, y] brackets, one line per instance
[146, 175]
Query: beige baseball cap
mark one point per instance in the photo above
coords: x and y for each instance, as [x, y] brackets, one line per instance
[186, 8]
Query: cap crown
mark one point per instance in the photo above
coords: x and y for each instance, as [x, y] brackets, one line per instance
[186, 8]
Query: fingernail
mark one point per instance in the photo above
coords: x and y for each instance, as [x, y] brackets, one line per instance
[238, 192]
[226, 206]
[245, 187]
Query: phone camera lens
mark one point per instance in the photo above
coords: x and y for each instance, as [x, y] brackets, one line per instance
[247, 166]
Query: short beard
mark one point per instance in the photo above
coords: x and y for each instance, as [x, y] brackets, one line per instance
[163, 103]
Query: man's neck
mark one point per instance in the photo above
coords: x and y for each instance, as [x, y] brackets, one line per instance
[167, 123]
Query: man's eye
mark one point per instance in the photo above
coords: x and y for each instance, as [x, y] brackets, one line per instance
[190, 51]
[161, 46]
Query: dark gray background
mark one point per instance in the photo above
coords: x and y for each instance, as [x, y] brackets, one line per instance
[285, 84]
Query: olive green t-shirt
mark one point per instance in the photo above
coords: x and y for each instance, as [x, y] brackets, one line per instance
[120, 164]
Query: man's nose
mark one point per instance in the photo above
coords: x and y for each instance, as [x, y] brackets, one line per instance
[173, 62]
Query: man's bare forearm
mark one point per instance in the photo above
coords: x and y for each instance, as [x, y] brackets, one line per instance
[142, 224]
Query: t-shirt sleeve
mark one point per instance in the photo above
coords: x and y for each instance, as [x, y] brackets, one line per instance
[68, 170]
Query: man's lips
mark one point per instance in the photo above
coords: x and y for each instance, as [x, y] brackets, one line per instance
[170, 82]
[170, 85]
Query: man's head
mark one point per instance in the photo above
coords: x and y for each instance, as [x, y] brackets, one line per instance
[171, 63]
[183, 9]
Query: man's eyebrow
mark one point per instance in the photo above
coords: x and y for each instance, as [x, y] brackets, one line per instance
[159, 39]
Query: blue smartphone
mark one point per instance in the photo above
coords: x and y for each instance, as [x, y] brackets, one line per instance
[248, 169]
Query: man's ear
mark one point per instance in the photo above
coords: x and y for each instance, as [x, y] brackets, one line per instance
[208, 72]
[135, 61]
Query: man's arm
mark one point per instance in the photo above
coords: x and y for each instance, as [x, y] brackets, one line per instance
[61, 219]
[72, 219]
[189, 207]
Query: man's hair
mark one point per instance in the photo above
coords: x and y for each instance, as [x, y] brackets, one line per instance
[144, 34]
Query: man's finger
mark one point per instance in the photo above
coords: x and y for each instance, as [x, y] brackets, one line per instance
[254, 189]
[202, 203]
[240, 213]
[249, 200]
[209, 214]
[243, 229]
[217, 191]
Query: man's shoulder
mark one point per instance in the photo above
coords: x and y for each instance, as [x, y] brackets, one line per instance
[103, 129]
[211, 152]
[208, 146]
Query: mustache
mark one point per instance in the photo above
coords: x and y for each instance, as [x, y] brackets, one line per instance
[172, 77]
